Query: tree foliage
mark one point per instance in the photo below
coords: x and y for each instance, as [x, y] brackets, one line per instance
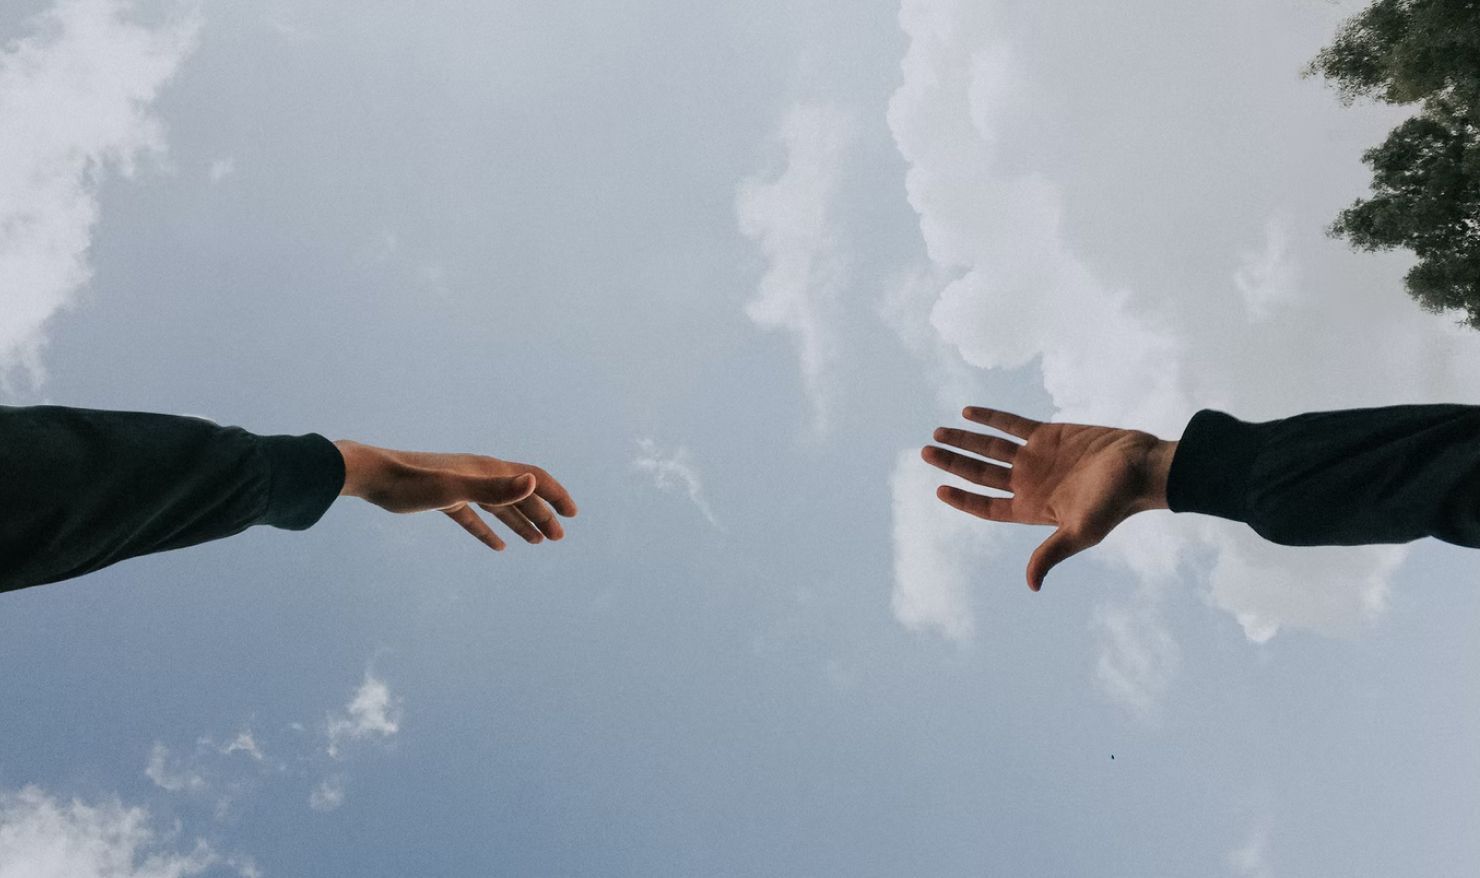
[1401, 51]
[1426, 174]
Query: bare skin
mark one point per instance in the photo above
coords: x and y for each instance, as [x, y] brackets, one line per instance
[1082, 480]
[525, 498]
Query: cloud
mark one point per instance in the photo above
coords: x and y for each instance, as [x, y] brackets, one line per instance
[244, 742]
[905, 308]
[1242, 304]
[41, 837]
[174, 778]
[674, 472]
[222, 168]
[1337, 591]
[1266, 277]
[77, 98]
[1138, 657]
[1251, 859]
[937, 553]
[788, 215]
[371, 713]
[328, 795]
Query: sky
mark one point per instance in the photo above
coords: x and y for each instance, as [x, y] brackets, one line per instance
[721, 268]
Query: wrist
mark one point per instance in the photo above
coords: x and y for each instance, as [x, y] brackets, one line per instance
[1158, 466]
[360, 462]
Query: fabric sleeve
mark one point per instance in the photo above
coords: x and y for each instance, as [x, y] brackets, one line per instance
[1353, 477]
[81, 488]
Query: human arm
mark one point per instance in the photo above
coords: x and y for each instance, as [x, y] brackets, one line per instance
[82, 488]
[1359, 476]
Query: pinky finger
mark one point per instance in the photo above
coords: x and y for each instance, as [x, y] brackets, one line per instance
[474, 524]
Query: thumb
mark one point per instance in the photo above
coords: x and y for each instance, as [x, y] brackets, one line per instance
[1059, 546]
[503, 490]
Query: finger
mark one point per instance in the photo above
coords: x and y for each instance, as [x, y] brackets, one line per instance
[1007, 422]
[511, 516]
[994, 447]
[1059, 546]
[990, 508]
[552, 492]
[500, 490]
[471, 522]
[989, 475]
[542, 517]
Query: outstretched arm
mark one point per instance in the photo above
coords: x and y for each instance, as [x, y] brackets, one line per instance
[83, 488]
[1352, 477]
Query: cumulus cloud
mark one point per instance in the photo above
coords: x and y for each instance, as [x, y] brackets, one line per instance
[788, 216]
[905, 308]
[1337, 591]
[1252, 310]
[372, 712]
[43, 837]
[674, 471]
[77, 98]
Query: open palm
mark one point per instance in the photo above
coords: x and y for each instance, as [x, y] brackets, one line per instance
[1083, 480]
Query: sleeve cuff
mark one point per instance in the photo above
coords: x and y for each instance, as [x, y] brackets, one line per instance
[1210, 472]
[307, 474]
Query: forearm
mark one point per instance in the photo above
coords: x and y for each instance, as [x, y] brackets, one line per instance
[1360, 476]
[85, 488]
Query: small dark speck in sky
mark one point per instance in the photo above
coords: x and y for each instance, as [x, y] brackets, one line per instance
[1112, 756]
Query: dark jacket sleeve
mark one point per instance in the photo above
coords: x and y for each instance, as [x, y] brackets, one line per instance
[82, 488]
[1380, 475]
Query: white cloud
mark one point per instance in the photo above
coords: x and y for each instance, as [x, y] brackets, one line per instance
[674, 471]
[328, 794]
[222, 168]
[905, 308]
[1251, 859]
[76, 96]
[938, 553]
[1280, 323]
[1333, 590]
[1138, 657]
[371, 713]
[172, 776]
[244, 742]
[1266, 277]
[41, 837]
[788, 215]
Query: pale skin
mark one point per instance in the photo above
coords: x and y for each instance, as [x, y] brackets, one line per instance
[524, 498]
[1081, 480]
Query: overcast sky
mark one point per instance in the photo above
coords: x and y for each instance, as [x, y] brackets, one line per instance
[721, 268]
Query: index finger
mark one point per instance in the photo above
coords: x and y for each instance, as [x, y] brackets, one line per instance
[1007, 422]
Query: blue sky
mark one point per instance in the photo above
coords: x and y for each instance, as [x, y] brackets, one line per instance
[721, 270]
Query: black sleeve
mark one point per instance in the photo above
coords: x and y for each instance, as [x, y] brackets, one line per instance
[1380, 475]
[81, 488]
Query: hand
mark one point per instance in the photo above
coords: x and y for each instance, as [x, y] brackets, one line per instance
[1083, 480]
[519, 495]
